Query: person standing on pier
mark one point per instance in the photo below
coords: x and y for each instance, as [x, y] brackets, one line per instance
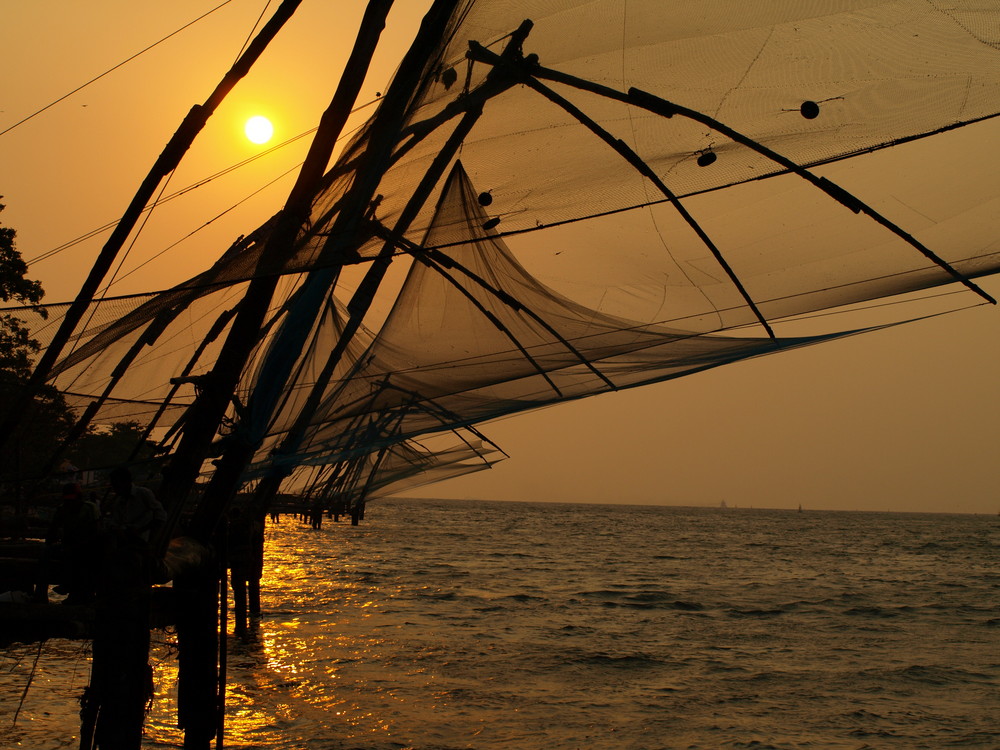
[134, 510]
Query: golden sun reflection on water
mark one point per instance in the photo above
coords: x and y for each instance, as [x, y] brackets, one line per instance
[290, 671]
[429, 629]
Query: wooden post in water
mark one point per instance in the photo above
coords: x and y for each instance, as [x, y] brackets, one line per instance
[256, 564]
[198, 602]
[197, 598]
[121, 678]
[244, 542]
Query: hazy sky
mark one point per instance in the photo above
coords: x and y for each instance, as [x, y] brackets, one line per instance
[903, 419]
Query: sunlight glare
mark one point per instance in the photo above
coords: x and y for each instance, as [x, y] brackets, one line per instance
[259, 129]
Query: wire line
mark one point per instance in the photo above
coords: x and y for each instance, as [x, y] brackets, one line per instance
[111, 70]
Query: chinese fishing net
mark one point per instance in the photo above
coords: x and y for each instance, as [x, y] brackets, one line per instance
[581, 196]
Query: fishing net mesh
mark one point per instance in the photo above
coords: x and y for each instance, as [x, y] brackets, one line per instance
[617, 194]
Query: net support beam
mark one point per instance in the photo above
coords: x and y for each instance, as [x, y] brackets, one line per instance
[666, 108]
[478, 52]
[440, 262]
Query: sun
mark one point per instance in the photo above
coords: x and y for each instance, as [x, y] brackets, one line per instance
[258, 129]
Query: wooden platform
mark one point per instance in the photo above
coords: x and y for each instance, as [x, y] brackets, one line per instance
[30, 623]
[18, 564]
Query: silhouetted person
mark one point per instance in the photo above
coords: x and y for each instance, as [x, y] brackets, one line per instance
[134, 510]
[70, 552]
[244, 566]
[316, 515]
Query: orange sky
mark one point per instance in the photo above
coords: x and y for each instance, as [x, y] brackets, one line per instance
[903, 419]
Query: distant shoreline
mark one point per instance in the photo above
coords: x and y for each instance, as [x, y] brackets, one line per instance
[728, 508]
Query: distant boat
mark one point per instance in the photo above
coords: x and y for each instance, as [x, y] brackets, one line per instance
[723, 504]
[800, 507]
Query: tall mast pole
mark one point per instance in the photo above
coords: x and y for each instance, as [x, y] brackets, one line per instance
[343, 236]
[208, 410]
[363, 297]
[197, 633]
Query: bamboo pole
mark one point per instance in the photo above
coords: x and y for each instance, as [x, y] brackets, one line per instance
[209, 409]
[342, 239]
[363, 297]
[666, 108]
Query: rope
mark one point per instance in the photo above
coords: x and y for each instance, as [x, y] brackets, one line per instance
[31, 676]
[112, 69]
[246, 42]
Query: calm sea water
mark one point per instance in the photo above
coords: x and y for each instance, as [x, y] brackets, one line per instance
[481, 625]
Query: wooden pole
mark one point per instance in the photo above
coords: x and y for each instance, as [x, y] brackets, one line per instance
[207, 413]
[223, 584]
[197, 597]
[363, 297]
[198, 635]
[342, 239]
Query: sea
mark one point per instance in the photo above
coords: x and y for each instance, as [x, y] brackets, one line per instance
[447, 625]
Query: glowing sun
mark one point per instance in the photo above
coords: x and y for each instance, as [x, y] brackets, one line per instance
[259, 129]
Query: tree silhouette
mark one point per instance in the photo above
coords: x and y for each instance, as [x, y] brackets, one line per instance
[48, 419]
